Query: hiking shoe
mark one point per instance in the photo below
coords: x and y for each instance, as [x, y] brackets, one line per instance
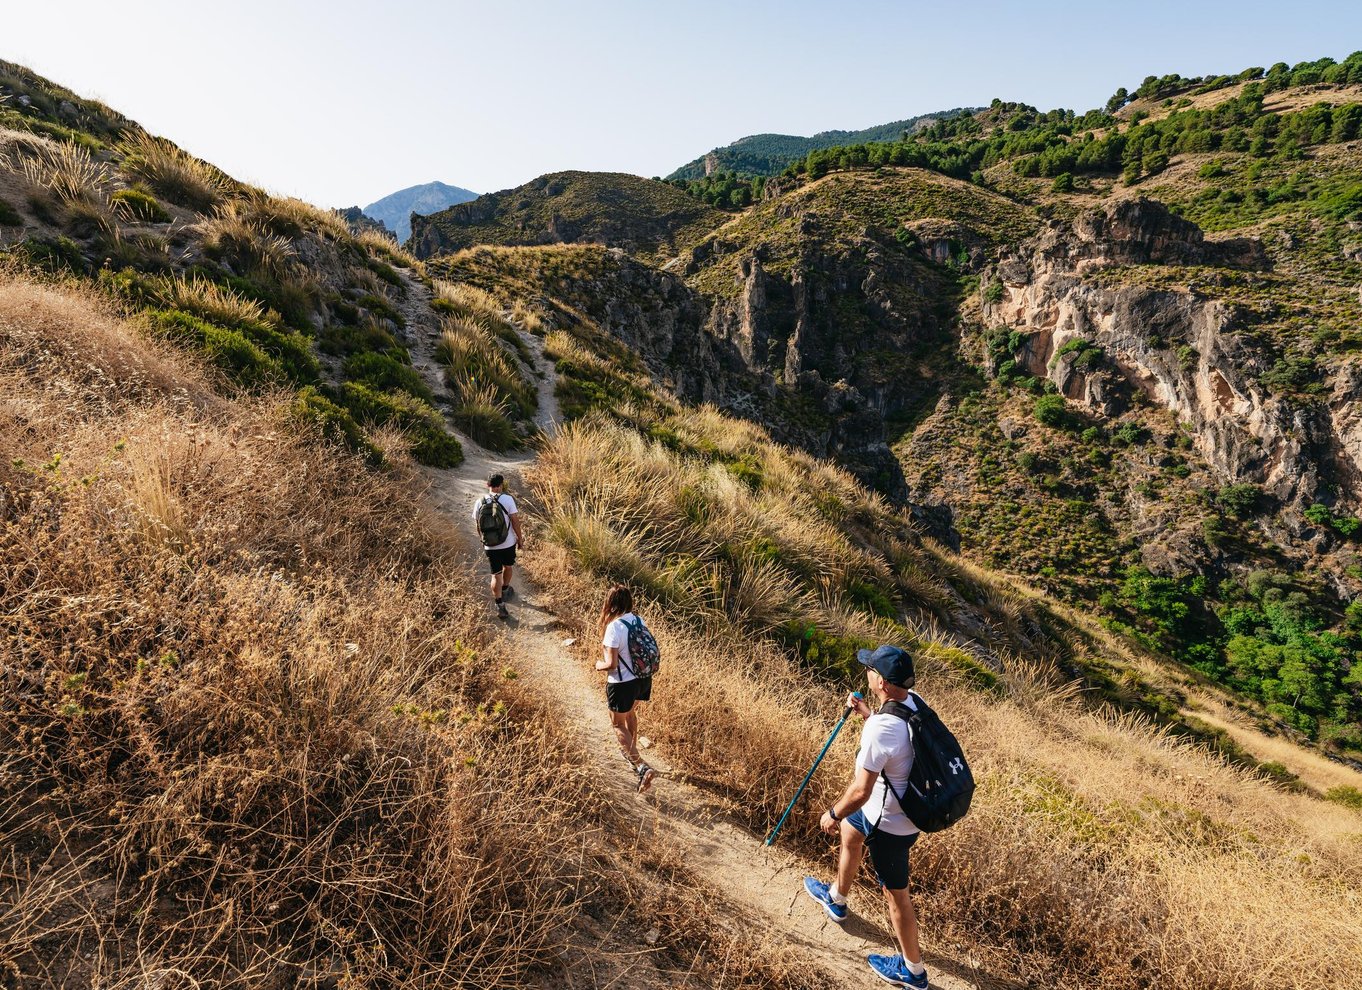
[893, 970]
[507, 592]
[818, 890]
[646, 775]
[501, 611]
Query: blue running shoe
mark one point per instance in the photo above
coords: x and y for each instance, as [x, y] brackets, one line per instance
[818, 890]
[893, 970]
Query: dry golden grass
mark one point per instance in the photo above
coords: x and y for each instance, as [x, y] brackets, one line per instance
[385, 247]
[236, 230]
[72, 177]
[467, 300]
[492, 390]
[291, 217]
[206, 299]
[174, 173]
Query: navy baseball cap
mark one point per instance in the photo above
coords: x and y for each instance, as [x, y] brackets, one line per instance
[893, 664]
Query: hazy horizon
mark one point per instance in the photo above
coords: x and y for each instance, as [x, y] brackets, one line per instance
[299, 96]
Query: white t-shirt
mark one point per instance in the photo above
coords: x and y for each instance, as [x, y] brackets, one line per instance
[508, 504]
[617, 635]
[887, 744]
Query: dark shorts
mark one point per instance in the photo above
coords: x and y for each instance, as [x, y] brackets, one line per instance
[888, 852]
[621, 697]
[497, 559]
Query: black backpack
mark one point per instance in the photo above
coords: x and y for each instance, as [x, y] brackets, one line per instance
[940, 785]
[493, 524]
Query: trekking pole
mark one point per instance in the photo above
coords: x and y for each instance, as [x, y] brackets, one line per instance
[809, 776]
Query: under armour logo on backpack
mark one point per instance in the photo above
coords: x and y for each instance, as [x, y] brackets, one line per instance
[957, 765]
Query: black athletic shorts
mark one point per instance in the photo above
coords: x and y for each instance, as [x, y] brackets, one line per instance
[497, 559]
[621, 697]
[888, 852]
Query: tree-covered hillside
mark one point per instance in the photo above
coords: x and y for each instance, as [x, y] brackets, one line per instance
[768, 154]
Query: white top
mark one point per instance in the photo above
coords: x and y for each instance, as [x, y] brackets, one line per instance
[617, 635]
[508, 504]
[887, 744]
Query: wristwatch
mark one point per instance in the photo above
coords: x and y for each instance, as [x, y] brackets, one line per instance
[833, 814]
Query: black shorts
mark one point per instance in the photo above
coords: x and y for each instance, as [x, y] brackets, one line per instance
[621, 697]
[888, 852]
[497, 559]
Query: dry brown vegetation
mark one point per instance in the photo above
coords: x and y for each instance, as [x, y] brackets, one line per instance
[1100, 851]
[248, 736]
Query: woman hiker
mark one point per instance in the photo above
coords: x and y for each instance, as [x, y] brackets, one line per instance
[624, 687]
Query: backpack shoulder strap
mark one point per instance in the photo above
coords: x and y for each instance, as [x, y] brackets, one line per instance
[623, 662]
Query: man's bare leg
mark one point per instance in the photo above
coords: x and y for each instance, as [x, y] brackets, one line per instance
[849, 856]
[903, 919]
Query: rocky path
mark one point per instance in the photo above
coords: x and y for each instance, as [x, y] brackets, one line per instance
[761, 887]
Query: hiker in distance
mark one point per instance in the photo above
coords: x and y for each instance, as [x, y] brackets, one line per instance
[868, 815]
[630, 659]
[498, 523]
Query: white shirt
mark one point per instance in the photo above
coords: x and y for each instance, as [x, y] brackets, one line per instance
[617, 635]
[508, 504]
[887, 745]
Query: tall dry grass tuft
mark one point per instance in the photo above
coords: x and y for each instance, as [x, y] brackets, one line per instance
[69, 174]
[492, 391]
[207, 299]
[467, 300]
[386, 247]
[236, 231]
[173, 172]
[290, 217]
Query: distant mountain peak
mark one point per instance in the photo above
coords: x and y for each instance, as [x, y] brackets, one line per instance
[394, 211]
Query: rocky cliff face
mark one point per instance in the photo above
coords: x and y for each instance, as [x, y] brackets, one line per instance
[1178, 348]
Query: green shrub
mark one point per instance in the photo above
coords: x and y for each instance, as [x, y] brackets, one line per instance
[1064, 183]
[1129, 435]
[487, 423]
[229, 349]
[386, 272]
[870, 597]
[380, 307]
[59, 255]
[1052, 410]
[826, 651]
[1349, 797]
[342, 340]
[386, 374]
[746, 469]
[1322, 515]
[334, 423]
[432, 444]
[1239, 501]
[994, 294]
[138, 203]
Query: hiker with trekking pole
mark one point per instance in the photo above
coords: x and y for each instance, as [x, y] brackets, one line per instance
[630, 659]
[910, 777]
[498, 522]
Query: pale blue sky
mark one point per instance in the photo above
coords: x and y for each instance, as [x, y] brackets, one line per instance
[343, 102]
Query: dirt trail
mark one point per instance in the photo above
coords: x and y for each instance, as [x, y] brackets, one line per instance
[762, 887]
